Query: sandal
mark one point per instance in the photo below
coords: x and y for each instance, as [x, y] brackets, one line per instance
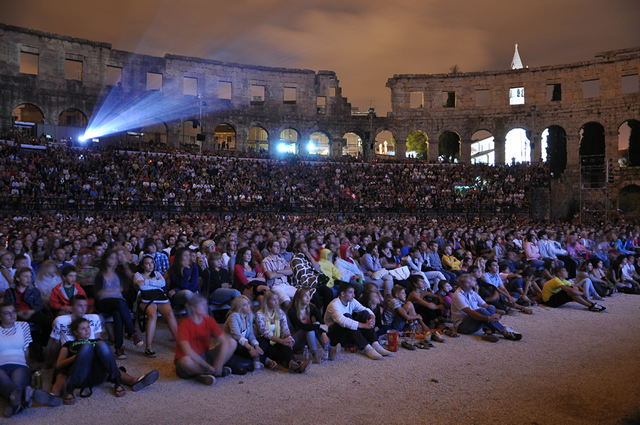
[407, 346]
[68, 399]
[448, 332]
[270, 364]
[513, 336]
[119, 390]
[597, 307]
[421, 345]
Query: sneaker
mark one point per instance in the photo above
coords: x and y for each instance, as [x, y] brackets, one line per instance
[437, 337]
[333, 354]
[10, 410]
[304, 366]
[371, 353]
[527, 310]
[226, 371]
[119, 354]
[136, 340]
[376, 346]
[490, 338]
[149, 352]
[318, 355]
[146, 380]
[46, 399]
[27, 397]
[206, 379]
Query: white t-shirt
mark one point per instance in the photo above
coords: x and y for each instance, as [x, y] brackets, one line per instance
[62, 327]
[14, 342]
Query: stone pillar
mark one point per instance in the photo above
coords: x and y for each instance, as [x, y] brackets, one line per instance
[573, 151]
[401, 149]
[241, 140]
[536, 150]
[611, 151]
[465, 151]
[434, 151]
[499, 143]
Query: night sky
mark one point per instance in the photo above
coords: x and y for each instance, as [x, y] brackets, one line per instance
[364, 42]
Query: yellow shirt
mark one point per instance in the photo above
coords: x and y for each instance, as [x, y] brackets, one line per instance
[451, 263]
[552, 287]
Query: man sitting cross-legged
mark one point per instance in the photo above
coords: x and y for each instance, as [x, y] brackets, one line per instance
[559, 291]
[193, 357]
[351, 322]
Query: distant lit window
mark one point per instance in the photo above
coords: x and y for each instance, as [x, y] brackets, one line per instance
[224, 90]
[516, 96]
[29, 63]
[154, 81]
[290, 95]
[591, 89]
[190, 86]
[482, 97]
[72, 70]
[113, 75]
[554, 92]
[629, 83]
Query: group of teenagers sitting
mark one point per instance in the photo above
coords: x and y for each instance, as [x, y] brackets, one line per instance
[316, 300]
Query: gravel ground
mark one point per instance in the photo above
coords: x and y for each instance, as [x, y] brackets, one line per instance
[572, 367]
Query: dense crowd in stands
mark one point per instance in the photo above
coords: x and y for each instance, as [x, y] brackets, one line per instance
[62, 177]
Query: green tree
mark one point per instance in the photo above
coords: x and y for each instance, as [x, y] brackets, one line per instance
[557, 150]
[449, 146]
[418, 143]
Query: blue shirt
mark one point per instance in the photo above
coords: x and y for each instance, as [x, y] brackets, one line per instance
[492, 279]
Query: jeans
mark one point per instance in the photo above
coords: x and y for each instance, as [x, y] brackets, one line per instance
[222, 295]
[13, 376]
[308, 338]
[536, 263]
[450, 276]
[359, 337]
[180, 298]
[92, 366]
[588, 288]
[117, 308]
[470, 325]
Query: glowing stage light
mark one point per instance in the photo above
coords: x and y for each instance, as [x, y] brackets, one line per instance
[282, 147]
[311, 147]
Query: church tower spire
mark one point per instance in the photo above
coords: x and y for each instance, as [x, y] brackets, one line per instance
[516, 63]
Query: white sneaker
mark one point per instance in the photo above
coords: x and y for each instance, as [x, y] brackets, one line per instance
[371, 353]
[376, 346]
[317, 356]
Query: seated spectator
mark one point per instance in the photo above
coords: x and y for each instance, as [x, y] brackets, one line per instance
[307, 274]
[470, 313]
[399, 312]
[15, 376]
[372, 299]
[6, 274]
[429, 306]
[277, 272]
[492, 277]
[585, 279]
[239, 325]
[48, 278]
[161, 259]
[351, 323]
[247, 275]
[450, 262]
[63, 294]
[328, 268]
[532, 253]
[307, 325]
[273, 334]
[436, 264]
[193, 357]
[86, 272]
[153, 299]
[373, 270]
[216, 281]
[349, 268]
[110, 287]
[559, 291]
[182, 277]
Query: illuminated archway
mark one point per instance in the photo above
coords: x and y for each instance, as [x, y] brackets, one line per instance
[258, 140]
[629, 144]
[224, 137]
[353, 146]
[517, 147]
[73, 118]
[417, 145]
[28, 112]
[385, 143]
[288, 142]
[483, 148]
[319, 144]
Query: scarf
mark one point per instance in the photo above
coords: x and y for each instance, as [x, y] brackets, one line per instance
[277, 323]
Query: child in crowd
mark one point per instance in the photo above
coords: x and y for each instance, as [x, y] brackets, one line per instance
[60, 300]
[399, 312]
[444, 290]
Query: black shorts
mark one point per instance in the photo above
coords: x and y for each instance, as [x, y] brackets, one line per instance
[559, 299]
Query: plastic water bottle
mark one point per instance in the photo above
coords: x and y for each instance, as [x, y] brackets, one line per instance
[325, 355]
[413, 332]
[306, 355]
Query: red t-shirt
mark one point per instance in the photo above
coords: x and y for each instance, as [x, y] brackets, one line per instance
[198, 336]
[20, 304]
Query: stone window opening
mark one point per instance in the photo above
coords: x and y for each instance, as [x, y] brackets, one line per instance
[190, 86]
[332, 92]
[630, 84]
[290, 95]
[448, 99]
[154, 81]
[224, 90]
[321, 105]
[29, 63]
[416, 100]
[482, 97]
[554, 92]
[114, 74]
[516, 96]
[590, 89]
[72, 70]
[257, 95]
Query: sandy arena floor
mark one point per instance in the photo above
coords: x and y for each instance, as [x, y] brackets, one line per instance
[572, 367]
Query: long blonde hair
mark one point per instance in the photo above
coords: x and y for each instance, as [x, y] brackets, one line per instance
[264, 304]
[236, 305]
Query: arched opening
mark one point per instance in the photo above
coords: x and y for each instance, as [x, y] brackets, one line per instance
[629, 199]
[592, 155]
[449, 146]
[224, 136]
[73, 118]
[385, 143]
[288, 142]
[319, 144]
[190, 131]
[483, 148]
[258, 140]
[155, 134]
[517, 148]
[553, 143]
[353, 146]
[418, 145]
[592, 139]
[28, 113]
[629, 144]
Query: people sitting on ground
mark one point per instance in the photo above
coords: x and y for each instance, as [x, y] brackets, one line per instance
[372, 299]
[88, 363]
[492, 277]
[350, 323]
[109, 288]
[350, 270]
[559, 291]
[373, 270]
[276, 341]
[61, 297]
[329, 269]
[239, 325]
[193, 357]
[153, 299]
[216, 281]
[400, 313]
[430, 307]
[436, 264]
[307, 326]
[470, 314]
